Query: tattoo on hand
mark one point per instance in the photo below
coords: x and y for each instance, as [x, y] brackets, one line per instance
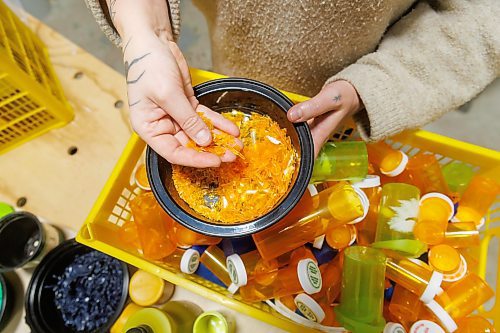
[135, 103]
[126, 45]
[337, 98]
[132, 63]
[112, 11]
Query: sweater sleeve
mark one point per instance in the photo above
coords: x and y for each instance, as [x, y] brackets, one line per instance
[100, 12]
[431, 61]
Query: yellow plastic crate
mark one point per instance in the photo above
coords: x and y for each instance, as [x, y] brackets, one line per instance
[31, 100]
[111, 211]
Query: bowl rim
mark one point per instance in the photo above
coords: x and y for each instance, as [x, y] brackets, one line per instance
[44, 268]
[275, 215]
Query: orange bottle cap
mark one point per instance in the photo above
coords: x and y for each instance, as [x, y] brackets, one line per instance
[444, 258]
[445, 198]
[396, 171]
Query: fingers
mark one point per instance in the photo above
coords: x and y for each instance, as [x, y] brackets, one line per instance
[323, 126]
[181, 110]
[219, 121]
[170, 149]
[328, 99]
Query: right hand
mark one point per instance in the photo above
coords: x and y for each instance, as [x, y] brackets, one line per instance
[163, 108]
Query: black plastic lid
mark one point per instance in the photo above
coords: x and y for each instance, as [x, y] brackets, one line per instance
[245, 93]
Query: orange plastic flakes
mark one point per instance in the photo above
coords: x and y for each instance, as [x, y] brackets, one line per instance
[249, 187]
[221, 141]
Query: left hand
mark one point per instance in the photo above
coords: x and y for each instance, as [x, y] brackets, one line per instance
[325, 111]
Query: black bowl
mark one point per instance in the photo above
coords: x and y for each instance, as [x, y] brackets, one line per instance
[41, 312]
[245, 95]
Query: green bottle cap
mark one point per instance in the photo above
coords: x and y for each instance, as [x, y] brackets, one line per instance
[5, 209]
[458, 175]
[412, 248]
[213, 322]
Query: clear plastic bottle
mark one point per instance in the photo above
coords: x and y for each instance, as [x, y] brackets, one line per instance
[152, 227]
[463, 297]
[404, 306]
[215, 261]
[436, 209]
[343, 160]
[362, 295]
[424, 171]
[251, 265]
[390, 162]
[457, 235]
[186, 238]
[367, 228]
[334, 206]
[397, 216]
[305, 277]
[185, 260]
[477, 199]
[414, 275]
[457, 176]
[474, 324]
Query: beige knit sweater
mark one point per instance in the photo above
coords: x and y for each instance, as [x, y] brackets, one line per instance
[410, 61]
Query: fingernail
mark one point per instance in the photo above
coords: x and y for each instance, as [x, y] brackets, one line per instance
[295, 114]
[202, 136]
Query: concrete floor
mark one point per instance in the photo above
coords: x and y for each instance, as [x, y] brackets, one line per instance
[479, 124]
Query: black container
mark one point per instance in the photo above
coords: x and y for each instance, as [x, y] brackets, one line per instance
[244, 95]
[42, 316]
[6, 301]
[24, 240]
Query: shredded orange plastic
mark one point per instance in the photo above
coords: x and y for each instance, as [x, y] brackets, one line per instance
[221, 141]
[249, 187]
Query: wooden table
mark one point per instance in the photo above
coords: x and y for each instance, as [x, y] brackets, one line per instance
[62, 187]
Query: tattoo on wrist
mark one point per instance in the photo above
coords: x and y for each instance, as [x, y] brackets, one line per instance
[337, 98]
[132, 63]
[112, 11]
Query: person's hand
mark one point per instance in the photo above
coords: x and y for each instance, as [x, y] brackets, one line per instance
[325, 111]
[163, 108]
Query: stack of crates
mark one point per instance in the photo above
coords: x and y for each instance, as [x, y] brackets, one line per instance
[31, 99]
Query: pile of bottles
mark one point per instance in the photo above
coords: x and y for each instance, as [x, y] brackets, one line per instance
[380, 242]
